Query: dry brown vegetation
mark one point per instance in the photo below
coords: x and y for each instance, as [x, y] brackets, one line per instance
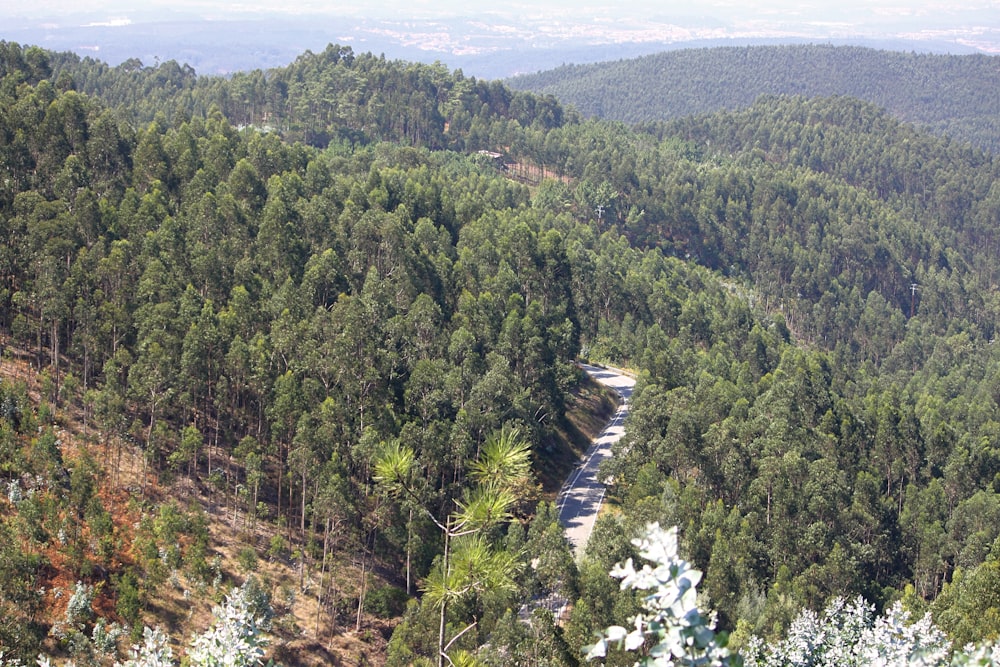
[302, 634]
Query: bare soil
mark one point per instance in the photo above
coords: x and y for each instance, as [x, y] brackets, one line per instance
[300, 636]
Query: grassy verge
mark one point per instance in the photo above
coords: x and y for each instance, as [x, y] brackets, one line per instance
[588, 410]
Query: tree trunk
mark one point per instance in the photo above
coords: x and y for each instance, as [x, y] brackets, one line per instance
[409, 551]
[444, 599]
[361, 591]
[55, 363]
[322, 574]
[280, 467]
[256, 488]
[302, 521]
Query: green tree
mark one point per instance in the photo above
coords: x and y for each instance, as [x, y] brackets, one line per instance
[21, 630]
[469, 566]
[670, 630]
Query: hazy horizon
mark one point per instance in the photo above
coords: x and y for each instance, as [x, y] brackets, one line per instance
[217, 37]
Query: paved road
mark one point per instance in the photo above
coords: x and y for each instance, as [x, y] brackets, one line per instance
[582, 494]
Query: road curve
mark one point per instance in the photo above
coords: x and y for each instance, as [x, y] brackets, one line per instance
[582, 493]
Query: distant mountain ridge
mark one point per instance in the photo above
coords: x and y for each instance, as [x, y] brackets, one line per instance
[952, 95]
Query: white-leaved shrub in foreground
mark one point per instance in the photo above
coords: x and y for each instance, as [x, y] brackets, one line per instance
[670, 630]
[849, 634]
[235, 639]
[154, 651]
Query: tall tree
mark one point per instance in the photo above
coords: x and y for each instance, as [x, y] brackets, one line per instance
[469, 566]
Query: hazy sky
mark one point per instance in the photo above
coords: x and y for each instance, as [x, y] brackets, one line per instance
[846, 10]
[958, 25]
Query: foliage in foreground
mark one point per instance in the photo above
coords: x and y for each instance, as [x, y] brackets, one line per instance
[671, 630]
[818, 395]
[670, 617]
[235, 639]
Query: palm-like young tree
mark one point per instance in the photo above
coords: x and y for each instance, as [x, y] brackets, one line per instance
[469, 564]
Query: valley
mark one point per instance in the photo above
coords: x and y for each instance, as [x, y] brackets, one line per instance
[290, 358]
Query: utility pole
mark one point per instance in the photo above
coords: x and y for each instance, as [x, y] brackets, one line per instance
[913, 295]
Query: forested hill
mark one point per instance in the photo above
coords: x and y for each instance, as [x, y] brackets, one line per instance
[950, 95]
[887, 202]
[334, 95]
[313, 330]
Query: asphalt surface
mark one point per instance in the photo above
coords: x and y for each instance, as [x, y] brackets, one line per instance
[581, 496]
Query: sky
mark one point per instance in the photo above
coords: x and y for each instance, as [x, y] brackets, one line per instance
[402, 28]
[848, 12]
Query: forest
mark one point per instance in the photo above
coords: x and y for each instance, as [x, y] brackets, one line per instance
[949, 95]
[295, 345]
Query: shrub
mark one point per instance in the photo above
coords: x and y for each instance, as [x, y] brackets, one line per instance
[386, 602]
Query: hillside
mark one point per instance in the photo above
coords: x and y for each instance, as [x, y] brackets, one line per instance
[322, 321]
[946, 94]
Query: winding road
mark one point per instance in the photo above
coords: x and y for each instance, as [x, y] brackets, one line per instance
[581, 496]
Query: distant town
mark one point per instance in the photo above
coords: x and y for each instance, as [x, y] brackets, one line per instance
[492, 45]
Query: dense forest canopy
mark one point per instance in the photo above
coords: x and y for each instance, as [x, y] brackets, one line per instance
[950, 95]
[313, 304]
[336, 95]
